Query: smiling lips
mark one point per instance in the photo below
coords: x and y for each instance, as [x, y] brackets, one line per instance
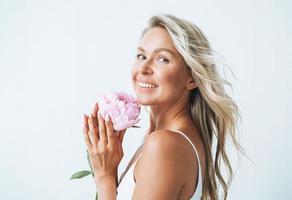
[147, 85]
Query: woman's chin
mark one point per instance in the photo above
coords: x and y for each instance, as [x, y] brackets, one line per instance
[144, 98]
[144, 101]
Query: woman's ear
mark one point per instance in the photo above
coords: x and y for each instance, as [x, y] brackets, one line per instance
[191, 84]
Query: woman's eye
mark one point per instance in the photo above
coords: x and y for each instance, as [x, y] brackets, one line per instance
[140, 56]
[163, 60]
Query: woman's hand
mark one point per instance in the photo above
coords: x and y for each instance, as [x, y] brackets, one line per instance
[104, 145]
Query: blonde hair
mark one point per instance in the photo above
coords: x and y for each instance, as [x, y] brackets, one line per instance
[213, 111]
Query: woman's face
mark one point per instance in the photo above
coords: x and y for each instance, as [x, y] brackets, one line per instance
[161, 67]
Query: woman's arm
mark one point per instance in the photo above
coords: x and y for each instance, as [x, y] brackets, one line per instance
[106, 187]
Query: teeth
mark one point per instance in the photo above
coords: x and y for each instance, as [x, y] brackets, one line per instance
[146, 85]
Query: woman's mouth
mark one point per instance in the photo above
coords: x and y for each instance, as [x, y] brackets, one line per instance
[147, 85]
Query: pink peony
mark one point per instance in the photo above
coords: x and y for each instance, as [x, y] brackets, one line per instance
[121, 107]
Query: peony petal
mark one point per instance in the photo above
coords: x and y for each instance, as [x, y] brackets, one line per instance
[122, 108]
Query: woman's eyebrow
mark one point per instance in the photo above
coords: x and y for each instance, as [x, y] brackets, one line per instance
[158, 49]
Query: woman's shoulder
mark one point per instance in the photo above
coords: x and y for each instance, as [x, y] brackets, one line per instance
[166, 139]
[166, 149]
[162, 165]
[162, 136]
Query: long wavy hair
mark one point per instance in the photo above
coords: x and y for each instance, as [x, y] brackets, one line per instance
[213, 111]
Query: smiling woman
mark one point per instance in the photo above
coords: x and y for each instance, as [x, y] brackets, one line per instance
[175, 75]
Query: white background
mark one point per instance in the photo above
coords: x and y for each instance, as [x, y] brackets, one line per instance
[56, 56]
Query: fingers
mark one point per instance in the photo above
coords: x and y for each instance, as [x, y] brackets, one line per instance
[95, 120]
[93, 132]
[85, 132]
[102, 129]
[85, 122]
[121, 135]
[99, 130]
[95, 109]
[111, 137]
[94, 112]
[120, 141]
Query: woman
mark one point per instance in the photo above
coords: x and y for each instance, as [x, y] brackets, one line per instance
[175, 75]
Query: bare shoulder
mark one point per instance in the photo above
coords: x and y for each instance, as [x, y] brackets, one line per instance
[163, 144]
[162, 139]
[160, 170]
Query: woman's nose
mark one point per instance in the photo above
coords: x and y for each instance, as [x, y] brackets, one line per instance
[146, 68]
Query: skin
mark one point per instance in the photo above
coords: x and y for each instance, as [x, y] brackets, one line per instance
[157, 173]
[163, 148]
[105, 152]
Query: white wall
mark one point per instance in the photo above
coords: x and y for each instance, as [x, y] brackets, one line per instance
[55, 56]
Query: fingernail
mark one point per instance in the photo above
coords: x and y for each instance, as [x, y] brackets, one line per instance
[107, 118]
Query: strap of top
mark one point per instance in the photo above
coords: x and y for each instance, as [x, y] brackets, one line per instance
[138, 157]
[197, 194]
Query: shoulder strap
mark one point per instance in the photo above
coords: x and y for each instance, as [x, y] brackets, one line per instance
[199, 185]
